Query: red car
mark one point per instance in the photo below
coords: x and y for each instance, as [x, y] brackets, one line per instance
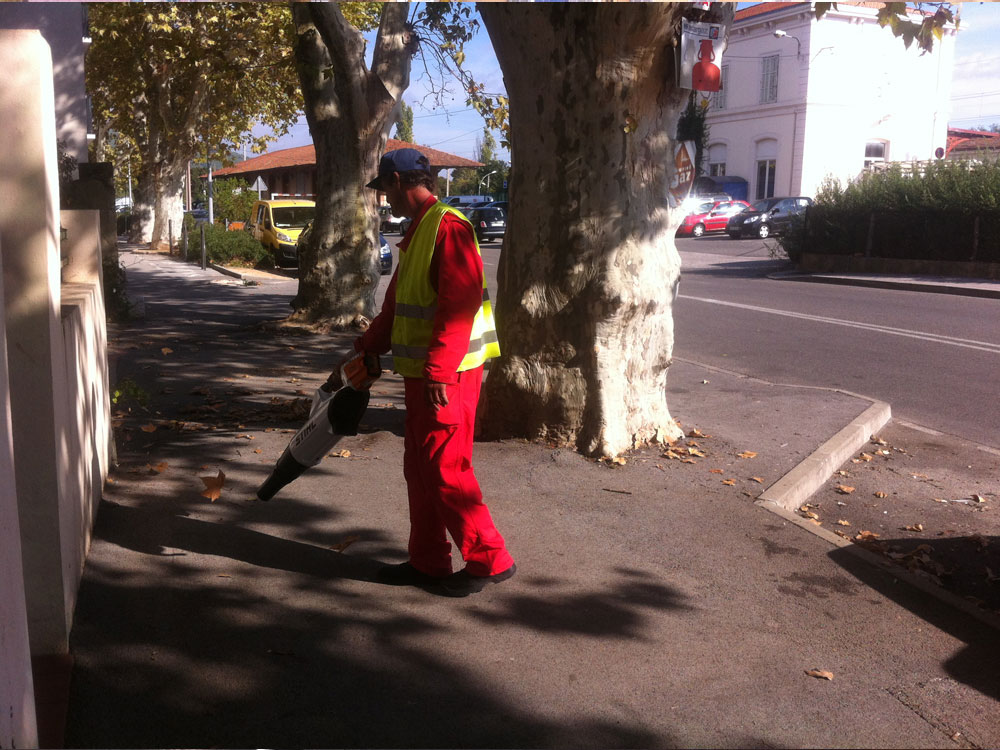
[712, 220]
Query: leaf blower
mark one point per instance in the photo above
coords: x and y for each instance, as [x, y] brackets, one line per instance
[333, 415]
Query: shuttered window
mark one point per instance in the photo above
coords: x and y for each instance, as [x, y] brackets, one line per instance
[769, 79]
[719, 97]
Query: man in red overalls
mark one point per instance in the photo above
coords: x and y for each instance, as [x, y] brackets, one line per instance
[438, 321]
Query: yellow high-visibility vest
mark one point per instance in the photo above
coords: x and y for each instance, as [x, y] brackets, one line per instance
[416, 304]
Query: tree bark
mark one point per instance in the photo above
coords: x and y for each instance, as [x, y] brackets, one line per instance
[589, 271]
[349, 110]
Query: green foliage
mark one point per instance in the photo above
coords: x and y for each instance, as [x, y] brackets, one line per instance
[127, 390]
[169, 81]
[938, 185]
[692, 126]
[942, 211]
[232, 199]
[895, 15]
[229, 248]
[404, 125]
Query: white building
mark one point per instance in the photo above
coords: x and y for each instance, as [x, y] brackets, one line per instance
[804, 98]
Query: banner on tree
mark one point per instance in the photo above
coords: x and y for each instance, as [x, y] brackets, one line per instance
[702, 45]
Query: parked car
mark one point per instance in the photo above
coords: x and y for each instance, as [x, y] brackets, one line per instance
[713, 220]
[277, 225]
[387, 222]
[766, 217]
[464, 201]
[384, 254]
[498, 204]
[488, 222]
[693, 203]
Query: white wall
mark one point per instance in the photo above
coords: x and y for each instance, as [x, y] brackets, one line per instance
[62, 26]
[852, 82]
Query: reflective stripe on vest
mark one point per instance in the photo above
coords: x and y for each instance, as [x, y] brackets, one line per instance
[416, 304]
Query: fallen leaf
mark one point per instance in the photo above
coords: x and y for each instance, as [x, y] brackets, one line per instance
[939, 500]
[747, 454]
[688, 461]
[244, 437]
[821, 674]
[340, 547]
[148, 428]
[914, 527]
[696, 433]
[810, 514]
[881, 494]
[884, 453]
[978, 499]
[865, 457]
[867, 536]
[704, 382]
[843, 489]
[166, 350]
[715, 471]
[160, 467]
[730, 482]
[257, 450]
[758, 480]
[213, 486]
[341, 454]
[695, 452]
[843, 522]
[878, 441]
[842, 473]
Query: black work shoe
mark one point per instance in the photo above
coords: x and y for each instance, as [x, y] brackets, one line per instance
[464, 583]
[405, 574]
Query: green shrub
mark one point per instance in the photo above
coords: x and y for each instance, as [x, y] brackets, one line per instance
[236, 248]
[232, 200]
[942, 211]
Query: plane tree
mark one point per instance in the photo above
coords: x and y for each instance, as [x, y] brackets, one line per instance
[170, 82]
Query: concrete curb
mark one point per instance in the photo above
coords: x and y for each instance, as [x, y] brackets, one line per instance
[909, 286]
[234, 274]
[800, 483]
[787, 494]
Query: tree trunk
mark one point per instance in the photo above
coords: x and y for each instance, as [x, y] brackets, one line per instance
[589, 270]
[158, 200]
[349, 110]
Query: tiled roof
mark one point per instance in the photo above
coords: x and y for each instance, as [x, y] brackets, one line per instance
[306, 156]
[762, 8]
[960, 139]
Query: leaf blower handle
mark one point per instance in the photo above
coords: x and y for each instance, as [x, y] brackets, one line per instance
[360, 371]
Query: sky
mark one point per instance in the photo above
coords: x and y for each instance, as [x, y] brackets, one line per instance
[455, 128]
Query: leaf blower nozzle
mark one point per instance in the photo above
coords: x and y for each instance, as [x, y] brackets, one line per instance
[332, 417]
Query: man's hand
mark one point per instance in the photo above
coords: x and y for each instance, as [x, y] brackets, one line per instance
[436, 394]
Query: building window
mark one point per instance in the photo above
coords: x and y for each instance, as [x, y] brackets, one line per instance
[765, 178]
[719, 97]
[875, 152]
[717, 160]
[769, 79]
[766, 154]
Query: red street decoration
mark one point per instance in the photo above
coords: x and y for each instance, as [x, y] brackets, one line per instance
[702, 45]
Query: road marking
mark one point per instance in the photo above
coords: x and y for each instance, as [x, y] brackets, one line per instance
[983, 346]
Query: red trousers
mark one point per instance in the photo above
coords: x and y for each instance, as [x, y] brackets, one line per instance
[444, 495]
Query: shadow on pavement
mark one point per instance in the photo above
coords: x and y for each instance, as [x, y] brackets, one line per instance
[978, 664]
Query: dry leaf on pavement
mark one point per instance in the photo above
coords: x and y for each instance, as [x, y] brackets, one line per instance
[148, 428]
[160, 467]
[881, 494]
[341, 454]
[865, 457]
[843, 489]
[843, 522]
[345, 544]
[715, 471]
[866, 536]
[758, 480]
[914, 527]
[166, 350]
[821, 674]
[730, 482]
[747, 454]
[213, 486]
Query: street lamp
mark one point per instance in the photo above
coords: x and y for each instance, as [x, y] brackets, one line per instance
[487, 180]
[778, 33]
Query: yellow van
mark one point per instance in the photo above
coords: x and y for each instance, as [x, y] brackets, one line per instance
[277, 224]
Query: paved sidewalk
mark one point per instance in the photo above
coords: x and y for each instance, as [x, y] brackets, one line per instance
[656, 605]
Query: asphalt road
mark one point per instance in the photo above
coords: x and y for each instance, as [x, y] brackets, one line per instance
[934, 357]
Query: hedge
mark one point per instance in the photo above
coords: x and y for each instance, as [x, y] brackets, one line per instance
[235, 248]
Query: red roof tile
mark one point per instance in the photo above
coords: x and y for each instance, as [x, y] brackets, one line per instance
[761, 8]
[306, 156]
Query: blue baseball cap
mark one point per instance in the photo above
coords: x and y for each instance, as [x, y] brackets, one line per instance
[400, 160]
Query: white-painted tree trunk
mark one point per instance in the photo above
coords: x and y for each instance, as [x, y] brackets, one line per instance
[589, 271]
